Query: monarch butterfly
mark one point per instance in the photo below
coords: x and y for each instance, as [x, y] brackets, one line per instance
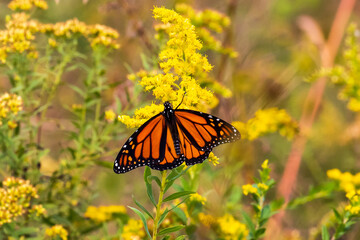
[172, 137]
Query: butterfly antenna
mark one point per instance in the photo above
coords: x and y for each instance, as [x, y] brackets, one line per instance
[181, 100]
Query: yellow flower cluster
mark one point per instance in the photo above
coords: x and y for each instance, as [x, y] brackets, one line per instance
[347, 74]
[204, 22]
[141, 115]
[38, 210]
[354, 202]
[248, 188]
[348, 182]
[98, 35]
[133, 230]
[268, 121]
[27, 4]
[213, 159]
[19, 35]
[259, 188]
[103, 213]
[10, 105]
[56, 232]
[15, 197]
[206, 219]
[226, 226]
[231, 229]
[180, 61]
[197, 198]
[180, 52]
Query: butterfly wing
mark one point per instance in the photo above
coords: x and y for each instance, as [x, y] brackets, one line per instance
[150, 145]
[199, 133]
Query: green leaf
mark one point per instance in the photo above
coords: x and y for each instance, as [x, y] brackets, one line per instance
[89, 103]
[168, 184]
[265, 213]
[145, 62]
[337, 215]
[78, 90]
[163, 216]
[177, 195]
[156, 179]
[249, 222]
[147, 173]
[24, 231]
[180, 214]
[259, 233]
[170, 229]
[143, 219]
[182, 237]
[143, 208]
[324, 233]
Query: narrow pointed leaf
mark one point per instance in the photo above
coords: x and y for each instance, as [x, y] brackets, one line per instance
[324, 233]
[147, 173]
[170, 229]
[143, 219]
[143, 208]
[178, 195]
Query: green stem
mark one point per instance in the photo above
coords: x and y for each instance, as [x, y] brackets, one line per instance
[158, 206]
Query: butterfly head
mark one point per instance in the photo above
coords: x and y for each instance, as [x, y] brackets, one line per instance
[167, 106]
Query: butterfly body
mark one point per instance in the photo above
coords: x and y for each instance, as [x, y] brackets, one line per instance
[172, 137]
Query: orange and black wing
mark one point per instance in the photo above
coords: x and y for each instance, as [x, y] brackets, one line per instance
[150, 145]
[200, 132]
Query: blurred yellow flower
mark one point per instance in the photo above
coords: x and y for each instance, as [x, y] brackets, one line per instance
[206, 219]
[77, 107]
[15, 198]
[18, 36]
[39, 210]
[248, 188]
[10, 105]
[197, 198]
[110, 115]
[265, 164]
[334, 174]
[262, 186]
[27, 4]
[268, 121]
[12, 124]
[133, 230]
[104, 213]
[348, 182]
[231, 229]
[100, 35]
[56, 231]
[204, 22]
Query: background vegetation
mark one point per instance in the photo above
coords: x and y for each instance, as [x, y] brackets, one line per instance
[285, 73]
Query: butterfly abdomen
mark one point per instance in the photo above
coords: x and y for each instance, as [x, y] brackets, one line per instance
[177, 146]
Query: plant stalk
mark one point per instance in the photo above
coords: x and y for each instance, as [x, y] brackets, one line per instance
[158, 206]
